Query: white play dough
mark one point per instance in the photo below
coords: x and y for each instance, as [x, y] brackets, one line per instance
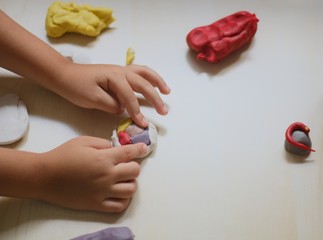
[14, 119]
[75, 58]
[81, 59]
[152, 130]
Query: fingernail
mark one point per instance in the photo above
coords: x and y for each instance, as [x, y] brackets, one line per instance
[145, 121]
[140, 120]
[165, 109]
[168, 88]
[145, 150]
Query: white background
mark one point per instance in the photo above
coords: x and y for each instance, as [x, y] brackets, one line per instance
[220, 170]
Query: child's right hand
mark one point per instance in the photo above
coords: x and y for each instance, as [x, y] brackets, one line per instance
[87, 173]
[110, 88]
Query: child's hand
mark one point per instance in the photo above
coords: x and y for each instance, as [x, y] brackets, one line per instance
[106, 87]
[112, 88]
[86, 173]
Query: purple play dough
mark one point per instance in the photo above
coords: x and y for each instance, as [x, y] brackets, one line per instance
[142, 137]
[115, 233]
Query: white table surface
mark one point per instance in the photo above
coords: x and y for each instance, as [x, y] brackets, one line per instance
[220, 170]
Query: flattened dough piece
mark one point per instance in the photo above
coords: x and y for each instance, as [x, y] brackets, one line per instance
[14, 119]
[84, 19]
[114, 233]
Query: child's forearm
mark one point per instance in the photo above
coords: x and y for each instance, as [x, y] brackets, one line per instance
[26, 55]
[20, 174]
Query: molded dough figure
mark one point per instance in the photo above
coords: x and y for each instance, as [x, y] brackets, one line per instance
[84, 19]
[298, 140]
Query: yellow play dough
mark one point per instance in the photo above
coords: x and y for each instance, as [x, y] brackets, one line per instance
[124, 124]
[84, 19]
[130, 56]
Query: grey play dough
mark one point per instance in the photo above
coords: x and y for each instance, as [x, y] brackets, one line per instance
[14, 119]
[301, 137]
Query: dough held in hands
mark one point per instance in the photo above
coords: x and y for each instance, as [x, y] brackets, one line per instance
[128, 132]
[14, 119]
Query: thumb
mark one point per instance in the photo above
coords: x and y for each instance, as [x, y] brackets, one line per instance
[94, 142]
[129, 152]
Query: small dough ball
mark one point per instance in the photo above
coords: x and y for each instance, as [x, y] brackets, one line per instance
[129, 132]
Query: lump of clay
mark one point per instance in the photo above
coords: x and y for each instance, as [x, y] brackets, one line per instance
[216, 41]
[298, 140]
[84, 19]
[128, 132]
[115, 233]
[130, 56]
[14, 119]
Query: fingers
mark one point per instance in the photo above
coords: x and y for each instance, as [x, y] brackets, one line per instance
[140, 85]
[123, 190]
[109, 102]
[144, 80]
[128, 99]
[151, 76]
[123, 184]
[120, 196]
[125, 187]
[141, 80]
[125, 172]
[129, 152]
[98, 143]
[114, 205]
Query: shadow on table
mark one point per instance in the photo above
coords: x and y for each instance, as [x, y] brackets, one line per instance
[44, 104]
[215, 68]
[77, 38]
[16, 212]
[296, 159]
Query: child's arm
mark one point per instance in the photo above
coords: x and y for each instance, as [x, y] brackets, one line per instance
[85, 173]
[106, 87]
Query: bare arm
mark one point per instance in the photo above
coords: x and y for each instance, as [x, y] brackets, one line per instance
[106, 87]
[85, 173]
[19, 173]
[25, 54]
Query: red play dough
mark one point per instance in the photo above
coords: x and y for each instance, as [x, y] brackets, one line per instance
[218, 40]
[124, 138]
